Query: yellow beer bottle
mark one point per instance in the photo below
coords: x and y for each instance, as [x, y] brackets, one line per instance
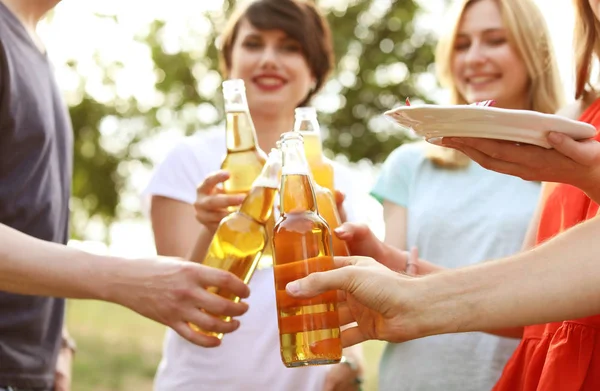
[322, 173]
[307, 124]
[244, 159]
[241, 237]
[309, 329]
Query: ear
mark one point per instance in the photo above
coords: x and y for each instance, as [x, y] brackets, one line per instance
[313, 84]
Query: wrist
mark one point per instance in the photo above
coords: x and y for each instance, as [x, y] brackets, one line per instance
[69, 343]
[441, 304]
[106, 284]
[353, 365]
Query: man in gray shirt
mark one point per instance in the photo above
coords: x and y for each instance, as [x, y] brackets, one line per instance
[36, 143]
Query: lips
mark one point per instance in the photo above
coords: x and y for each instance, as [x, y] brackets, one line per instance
[269, 82]
[481, 79]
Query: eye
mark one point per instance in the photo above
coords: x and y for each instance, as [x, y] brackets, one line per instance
[291, 47]
[252, 44]
[461, 45]
[496, 41]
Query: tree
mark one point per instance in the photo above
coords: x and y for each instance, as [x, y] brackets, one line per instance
[380, 58]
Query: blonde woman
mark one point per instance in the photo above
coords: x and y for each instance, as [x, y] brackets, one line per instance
[455, 212]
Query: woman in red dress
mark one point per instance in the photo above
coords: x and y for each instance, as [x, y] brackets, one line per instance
[557, 356]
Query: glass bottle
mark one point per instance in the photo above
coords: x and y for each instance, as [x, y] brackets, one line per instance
[309, 329]
[241, 237]
[244, 159]
[322, 173]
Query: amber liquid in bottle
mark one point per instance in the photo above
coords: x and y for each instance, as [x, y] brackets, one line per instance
[328, 210]
[244, 159]
[320, 166]
[307, 124]
[309, 329]
[242, 237]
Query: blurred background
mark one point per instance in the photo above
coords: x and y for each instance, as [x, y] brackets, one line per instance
[140, 75]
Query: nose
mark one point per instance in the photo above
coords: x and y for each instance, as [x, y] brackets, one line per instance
[475, 54]
[269, 58]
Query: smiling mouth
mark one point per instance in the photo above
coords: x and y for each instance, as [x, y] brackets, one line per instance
[269, 82]
[481, 80]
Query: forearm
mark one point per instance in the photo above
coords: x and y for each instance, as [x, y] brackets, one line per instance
[557, 280]
[36, 267]
[200, 248]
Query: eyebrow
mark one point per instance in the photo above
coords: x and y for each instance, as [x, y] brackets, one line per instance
[256, 35]
[486, 31]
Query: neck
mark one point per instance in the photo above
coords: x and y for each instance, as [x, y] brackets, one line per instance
[522, 103]
[270, 127]
[30, 12]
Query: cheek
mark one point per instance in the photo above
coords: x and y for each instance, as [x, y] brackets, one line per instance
[242, 64]
[301, 73]
[514, 68]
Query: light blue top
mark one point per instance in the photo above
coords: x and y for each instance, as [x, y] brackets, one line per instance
[456, 217]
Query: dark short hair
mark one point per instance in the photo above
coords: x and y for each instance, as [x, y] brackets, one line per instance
[300, 20]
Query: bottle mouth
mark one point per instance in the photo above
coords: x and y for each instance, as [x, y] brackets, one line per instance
[293, 135]
[233, 85]
[305, 112]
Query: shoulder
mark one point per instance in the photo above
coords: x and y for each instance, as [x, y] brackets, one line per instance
[409, 151]
[406, 157]
[576, 109]
[203, 146]
[573, 110]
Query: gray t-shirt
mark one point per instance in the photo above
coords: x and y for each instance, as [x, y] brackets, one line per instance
[455, 218]
[36, 143]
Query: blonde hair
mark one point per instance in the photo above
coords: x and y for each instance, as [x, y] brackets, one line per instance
[586, 41]
[528, 34]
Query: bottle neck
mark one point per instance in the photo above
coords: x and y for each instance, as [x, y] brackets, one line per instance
[241, 135]
[308, 127]
[313, 147]
[297, 192]
[258, 204]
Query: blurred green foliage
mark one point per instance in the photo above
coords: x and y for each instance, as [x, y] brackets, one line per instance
[380, 54]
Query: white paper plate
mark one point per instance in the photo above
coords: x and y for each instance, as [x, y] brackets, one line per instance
[523, 126]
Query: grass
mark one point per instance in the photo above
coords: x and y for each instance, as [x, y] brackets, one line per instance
[119, 350]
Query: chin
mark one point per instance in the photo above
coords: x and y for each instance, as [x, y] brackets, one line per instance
[270, 106]
[480, 97]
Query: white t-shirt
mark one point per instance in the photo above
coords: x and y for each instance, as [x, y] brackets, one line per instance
[456, 217]
[249, 358]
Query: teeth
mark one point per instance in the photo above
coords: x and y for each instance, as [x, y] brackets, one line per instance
[269, 81]
[481, 79]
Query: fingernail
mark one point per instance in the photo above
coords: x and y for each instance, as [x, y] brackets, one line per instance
[555, 137]
[293, 288]
[435, 140]
[340, 230]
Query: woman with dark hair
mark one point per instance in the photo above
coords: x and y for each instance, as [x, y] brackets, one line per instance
[282, 51]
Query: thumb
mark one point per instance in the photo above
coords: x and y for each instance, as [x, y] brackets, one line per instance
[584, 152]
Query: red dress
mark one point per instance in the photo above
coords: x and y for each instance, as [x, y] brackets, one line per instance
[561, 356]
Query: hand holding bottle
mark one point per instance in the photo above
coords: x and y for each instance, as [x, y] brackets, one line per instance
[384, 303]
[212, 203]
